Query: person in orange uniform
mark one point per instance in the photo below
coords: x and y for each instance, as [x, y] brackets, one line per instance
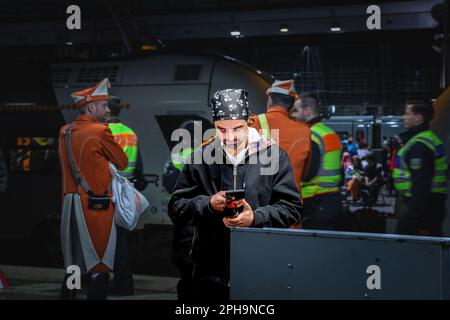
[293, 137]
[88, 234]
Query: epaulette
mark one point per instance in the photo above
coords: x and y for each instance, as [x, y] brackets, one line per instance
[208, 141]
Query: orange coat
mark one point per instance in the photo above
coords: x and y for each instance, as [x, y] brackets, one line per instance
[294, 138]
[93, 147]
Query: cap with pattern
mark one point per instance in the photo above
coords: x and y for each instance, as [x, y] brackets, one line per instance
[230, 104]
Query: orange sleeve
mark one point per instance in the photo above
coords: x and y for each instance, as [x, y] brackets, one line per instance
[113, 151]
[302, 157]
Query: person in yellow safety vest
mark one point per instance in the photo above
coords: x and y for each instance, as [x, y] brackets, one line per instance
[320, 186]
[420, 174]
[128, 140]
[183, 232]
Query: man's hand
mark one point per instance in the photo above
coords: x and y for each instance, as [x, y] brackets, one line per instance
[243, 219]
[218, 202]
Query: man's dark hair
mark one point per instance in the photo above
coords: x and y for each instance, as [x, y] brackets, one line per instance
[114, 105]
[310, 94]
[310, 100]
[423, 108]
[282, 100]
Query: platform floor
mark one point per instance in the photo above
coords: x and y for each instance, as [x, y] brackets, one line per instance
[31, 283]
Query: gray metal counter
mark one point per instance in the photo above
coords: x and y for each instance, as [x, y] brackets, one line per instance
[303, 264]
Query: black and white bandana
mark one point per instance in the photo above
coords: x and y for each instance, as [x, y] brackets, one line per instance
[230, 104]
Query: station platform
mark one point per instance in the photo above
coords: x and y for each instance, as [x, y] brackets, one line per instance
[34, 283]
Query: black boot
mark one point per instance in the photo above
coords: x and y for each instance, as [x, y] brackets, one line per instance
[98, 287]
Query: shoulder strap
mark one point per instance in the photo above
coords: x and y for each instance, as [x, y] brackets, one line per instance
[73, 166]
[264, 125]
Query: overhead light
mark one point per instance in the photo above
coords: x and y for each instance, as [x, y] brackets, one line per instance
[258, 72]
[284, 28]
[68, 43]
[394, 125]
[235, 32]
[335, 27]
[360, 126]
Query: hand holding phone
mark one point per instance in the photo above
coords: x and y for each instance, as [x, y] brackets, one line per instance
[231, 197]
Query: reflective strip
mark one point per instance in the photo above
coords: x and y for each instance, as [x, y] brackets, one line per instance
[126, 174]
[327, 184]
[441, 184]
[329, 173]
[264, 125]
[321, 145]
[401, 179]
[424, 139]
[132, 164]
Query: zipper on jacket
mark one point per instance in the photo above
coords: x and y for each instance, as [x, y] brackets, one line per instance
[234, 176]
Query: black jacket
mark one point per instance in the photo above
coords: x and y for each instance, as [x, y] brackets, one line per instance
[3, 172]
[275, 201]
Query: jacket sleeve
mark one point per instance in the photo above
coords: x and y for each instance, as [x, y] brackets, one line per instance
[420, 161]
[314, 162]
[188, 203]
[3, 173]
[113, 151]
[285, 208]
[301, 157]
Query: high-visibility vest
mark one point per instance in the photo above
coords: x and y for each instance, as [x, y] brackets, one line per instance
[127, 139]
[329, 176]
[402, 174]
[264, 125]
[178, 161]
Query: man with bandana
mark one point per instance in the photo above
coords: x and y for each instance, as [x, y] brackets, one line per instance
[231, 161]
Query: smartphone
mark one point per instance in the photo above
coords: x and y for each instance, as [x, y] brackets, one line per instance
[231, 196]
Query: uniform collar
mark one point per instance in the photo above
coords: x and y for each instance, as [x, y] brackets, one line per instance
[84, 118]
[114, 120]
[408, 134]
[277, 109]
[315, 120]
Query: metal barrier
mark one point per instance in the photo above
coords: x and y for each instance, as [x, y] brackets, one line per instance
[285, 264]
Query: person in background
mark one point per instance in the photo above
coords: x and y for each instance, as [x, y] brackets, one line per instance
[88, 233]
[321, 185]
[352, 148]
[421, 173]
[354, 178]
[123, 282]
[294, 137]
[346, 161]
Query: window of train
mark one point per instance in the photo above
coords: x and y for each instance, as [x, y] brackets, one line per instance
[34, 154]
[187, 72]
